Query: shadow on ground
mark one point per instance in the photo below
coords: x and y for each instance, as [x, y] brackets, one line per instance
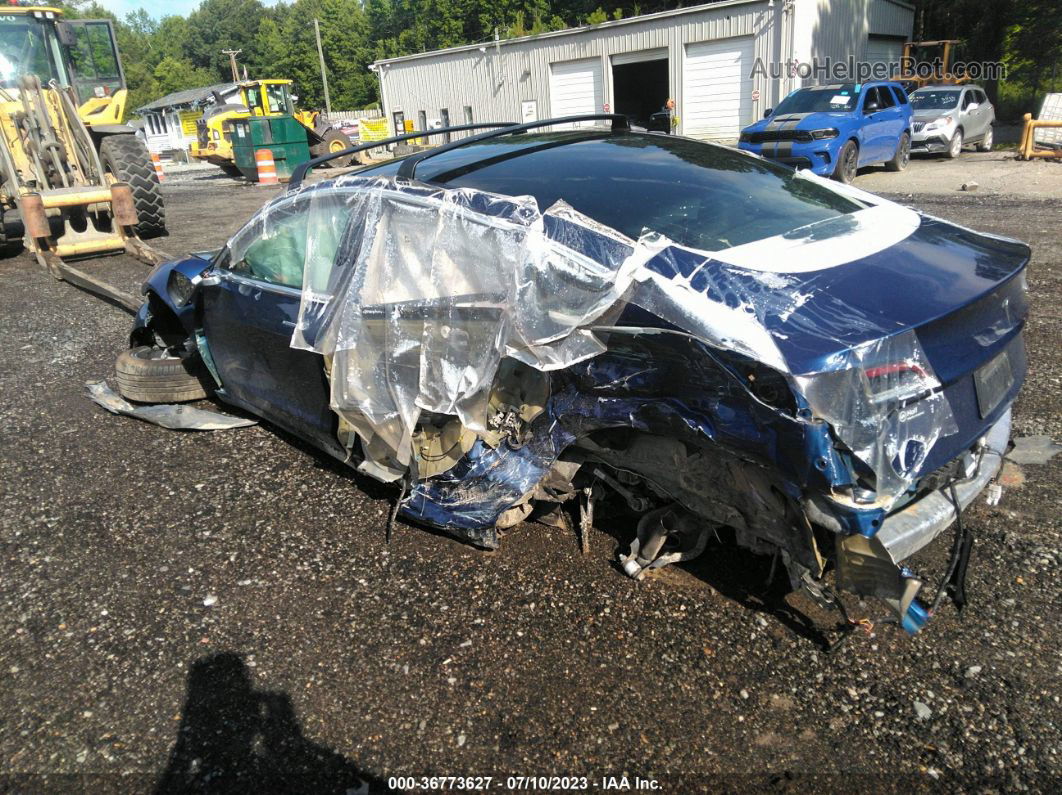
[234, 738]
[756, 582]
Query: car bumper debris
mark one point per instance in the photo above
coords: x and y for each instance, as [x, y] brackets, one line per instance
[172, 416]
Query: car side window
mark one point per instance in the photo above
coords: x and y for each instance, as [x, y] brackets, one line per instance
[901, 97]
[870, 97]
[981, 97]
[886, 99]
[967, 99]
[284, 239]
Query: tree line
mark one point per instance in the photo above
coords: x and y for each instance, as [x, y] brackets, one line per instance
[174, 53]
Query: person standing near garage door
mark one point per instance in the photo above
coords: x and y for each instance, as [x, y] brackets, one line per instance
[663, 120]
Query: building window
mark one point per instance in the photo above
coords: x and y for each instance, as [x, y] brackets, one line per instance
[468, 114]
[444, 117]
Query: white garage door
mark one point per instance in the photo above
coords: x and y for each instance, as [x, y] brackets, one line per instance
[717, 89]
[882, 50]
[575, 87]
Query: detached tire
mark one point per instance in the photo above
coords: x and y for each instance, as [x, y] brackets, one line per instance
[126, 157]
[151, 375]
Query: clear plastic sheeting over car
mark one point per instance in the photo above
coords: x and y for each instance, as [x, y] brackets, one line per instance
[435, 288]
[417, 293]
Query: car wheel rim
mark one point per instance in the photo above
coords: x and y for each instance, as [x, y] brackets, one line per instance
[988, 140]
[850, 164]
[905, 151]
[956, 144]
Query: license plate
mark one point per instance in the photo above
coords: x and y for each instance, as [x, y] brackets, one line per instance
[992, 381]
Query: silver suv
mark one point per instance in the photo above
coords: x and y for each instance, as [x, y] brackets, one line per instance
[948, 117]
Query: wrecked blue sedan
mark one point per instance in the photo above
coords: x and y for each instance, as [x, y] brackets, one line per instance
[511, 325]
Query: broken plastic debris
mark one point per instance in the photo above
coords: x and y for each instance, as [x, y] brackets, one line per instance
[922, 710]
[1034, 450]
[167, 415]
[993, 493]
[210, 600]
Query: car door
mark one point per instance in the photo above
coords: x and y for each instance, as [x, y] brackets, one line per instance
[892, 121]
[968, 117]
[250, 308]
[875, 124]
[903, 105]
[984, 112]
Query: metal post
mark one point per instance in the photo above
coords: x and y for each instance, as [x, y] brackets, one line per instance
[232, 63]
[324, 76]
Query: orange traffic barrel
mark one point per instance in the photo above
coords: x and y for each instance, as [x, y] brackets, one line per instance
[158, 166]
[267, 167]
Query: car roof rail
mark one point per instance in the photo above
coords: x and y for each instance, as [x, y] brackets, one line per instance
[299, 174]
[408, 168]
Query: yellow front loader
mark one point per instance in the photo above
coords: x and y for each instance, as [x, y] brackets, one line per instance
[929, 63]
[270, 97]
[82, 182]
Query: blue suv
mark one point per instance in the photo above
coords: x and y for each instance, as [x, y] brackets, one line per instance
[835, 130]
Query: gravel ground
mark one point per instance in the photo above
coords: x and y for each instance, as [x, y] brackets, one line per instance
[992, 173]
[219, 611]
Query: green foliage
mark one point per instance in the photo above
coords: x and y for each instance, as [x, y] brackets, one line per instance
[1026, 35]
[597, 16]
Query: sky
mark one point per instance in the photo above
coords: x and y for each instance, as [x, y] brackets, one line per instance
[157, 8]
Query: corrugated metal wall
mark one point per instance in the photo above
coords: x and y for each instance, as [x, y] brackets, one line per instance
[891, 18]
[495, 80]
[839, 28]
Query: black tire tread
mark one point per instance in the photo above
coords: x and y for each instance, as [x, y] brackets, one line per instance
[894, 163]
[155, 380]
[126, 157]
[838, 171]
[333, 135]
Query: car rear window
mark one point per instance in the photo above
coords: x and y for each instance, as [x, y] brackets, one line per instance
[699, 195]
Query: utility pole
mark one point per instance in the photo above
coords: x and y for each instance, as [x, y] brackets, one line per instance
[232, 63]
[324, 75]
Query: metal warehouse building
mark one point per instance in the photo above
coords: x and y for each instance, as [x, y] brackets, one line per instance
[714, 60]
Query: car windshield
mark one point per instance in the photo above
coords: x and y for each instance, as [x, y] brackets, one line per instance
[839, 99]
[924, 99]
[698, 195]
[27, 47]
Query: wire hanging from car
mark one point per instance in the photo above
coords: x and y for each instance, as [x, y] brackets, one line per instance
[393, 515]
[954, 579]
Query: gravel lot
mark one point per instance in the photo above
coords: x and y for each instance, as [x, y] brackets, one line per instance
[220, 611]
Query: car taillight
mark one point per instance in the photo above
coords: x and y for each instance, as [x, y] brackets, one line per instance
[902, 381]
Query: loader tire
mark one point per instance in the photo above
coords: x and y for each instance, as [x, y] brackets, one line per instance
[150, 375]
[126, 157]
[336, 141]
